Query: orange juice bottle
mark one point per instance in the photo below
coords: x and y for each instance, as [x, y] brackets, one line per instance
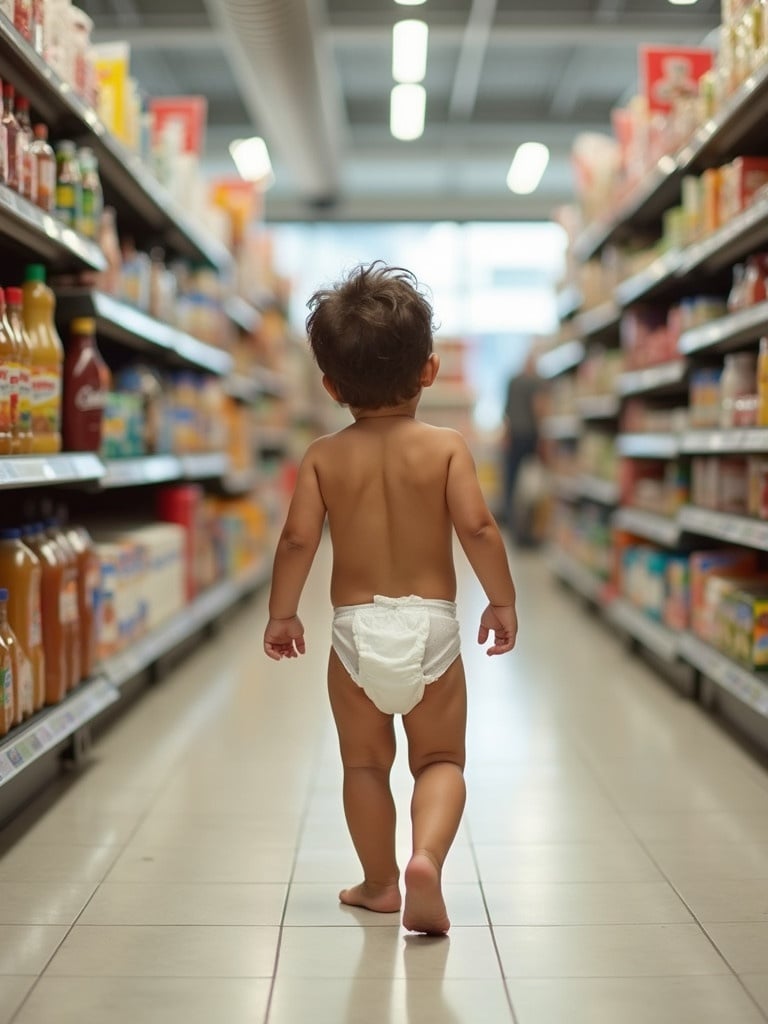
[54, 629]
[47, 358]
[70, 611]
[20, 572]
[88, 581]
[13, 304]
[8, 662]
[13, 364]
[7, 362]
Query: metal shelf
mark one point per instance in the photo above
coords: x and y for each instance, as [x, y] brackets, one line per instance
[653, 635]
[561, 428]
[153, 214]
[752, 533]
[597, 321]
[247, 387]
[46, 470]
[665, 530]
[749, 687]
[713, 442]
[118, 321]
[648, 446]
[205, 466]
[52, 726]
[599, 407]
[566, 487]
[142, 471]
[727, 332]
[561, 359]
[242, 314]
[182, 626]
[568, 301]
[25, 225]
[664, 377]
[578, 576]
[746, 233]
[654, 278]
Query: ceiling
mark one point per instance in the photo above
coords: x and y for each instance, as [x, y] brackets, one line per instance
[313, 76]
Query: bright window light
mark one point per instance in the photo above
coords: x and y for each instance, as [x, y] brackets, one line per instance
[527, 168]
[252, 159]
[409, 50]
[406, 111]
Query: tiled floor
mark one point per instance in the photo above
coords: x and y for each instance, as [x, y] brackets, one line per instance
[612, 867]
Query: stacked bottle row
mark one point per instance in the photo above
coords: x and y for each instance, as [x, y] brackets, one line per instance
[49, 578]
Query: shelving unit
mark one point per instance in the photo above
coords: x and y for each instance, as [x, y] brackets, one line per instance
[28, 228]
[752, 533]
[598, 407]
[585, 582]
[592, 323]
[653, 635]
[654, 379]
[748, 687]
[648, 446]
[561, 427]
[664, 530]
[70, 469]
[728, 332]
[560, 359]
[604, 492]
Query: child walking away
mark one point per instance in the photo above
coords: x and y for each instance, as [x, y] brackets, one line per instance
[394, 490]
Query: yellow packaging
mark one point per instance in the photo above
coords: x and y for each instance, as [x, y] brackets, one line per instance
[112, 63]
[710, 183]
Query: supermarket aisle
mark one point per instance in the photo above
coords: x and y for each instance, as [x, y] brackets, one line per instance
[613, 865]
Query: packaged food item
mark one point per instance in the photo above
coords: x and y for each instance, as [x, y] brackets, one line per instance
[55, 609]
[677, 597]
[14, 376]
[21, 573]
[70, 607]
[22, 18]
[45, 170]
[741, 180]
[145, 382]
[743, 624]
[69, 184]
[7, 370]
[9, 664]
[12, 131]
[92, 203]
[733, 562]
[739, 380]
[47, 356]
[86, 386]
[109, 279]
[27, 159]
[24, 359]
[183, 505]
[88, 582]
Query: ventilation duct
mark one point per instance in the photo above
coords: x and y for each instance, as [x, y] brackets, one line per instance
[287, 84]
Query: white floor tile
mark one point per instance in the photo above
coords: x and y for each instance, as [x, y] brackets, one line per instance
[169, 903]
[27, 948]
[592, 903]
[43, 902]
[744, 946]
[565, 862]
[12, 992]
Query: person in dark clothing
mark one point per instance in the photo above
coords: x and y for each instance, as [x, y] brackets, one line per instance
[522, 412]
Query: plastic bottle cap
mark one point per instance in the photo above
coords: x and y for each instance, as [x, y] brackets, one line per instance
[35, 272]
[10, 534]
[83, 325]
[14, 296]
[3, 594]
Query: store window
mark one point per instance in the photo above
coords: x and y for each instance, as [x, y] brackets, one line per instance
[491, 284]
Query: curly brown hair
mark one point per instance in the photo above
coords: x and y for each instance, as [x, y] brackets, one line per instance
[371, 335]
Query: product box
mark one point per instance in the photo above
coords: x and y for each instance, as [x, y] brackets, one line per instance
[743, 624]
[677, 592]
[704, 564]
[741, 180]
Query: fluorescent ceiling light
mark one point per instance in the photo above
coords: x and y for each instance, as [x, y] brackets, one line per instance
[409, 50]
[683, 3]
[527, 168]
[410, 3]
[252, 159]
[406, 111]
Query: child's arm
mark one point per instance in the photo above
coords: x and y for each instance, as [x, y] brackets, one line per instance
[284, 635]
[482, 543]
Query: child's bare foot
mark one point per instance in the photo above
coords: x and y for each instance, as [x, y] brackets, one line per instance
[424, 906]
[382, 899]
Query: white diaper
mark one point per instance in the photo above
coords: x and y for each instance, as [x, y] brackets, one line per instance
[396, 646]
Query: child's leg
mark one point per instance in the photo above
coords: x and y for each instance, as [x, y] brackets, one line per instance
[367, 743]
[436, 733]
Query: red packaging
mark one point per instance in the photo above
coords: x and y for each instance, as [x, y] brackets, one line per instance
[740, 181]
[86, 384]
[183, 505]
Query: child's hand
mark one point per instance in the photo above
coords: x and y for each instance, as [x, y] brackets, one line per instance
[284, 638]
[501, 620]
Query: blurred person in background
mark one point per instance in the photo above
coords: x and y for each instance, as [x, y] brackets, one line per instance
[523, 410]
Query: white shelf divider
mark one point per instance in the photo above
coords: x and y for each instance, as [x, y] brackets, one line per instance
[752, 533]
[653, 378]
[750, 687]
[72, 468]
[648, 446]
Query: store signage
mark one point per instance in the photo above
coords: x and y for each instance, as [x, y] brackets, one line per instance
[670, 74]
[189, 113]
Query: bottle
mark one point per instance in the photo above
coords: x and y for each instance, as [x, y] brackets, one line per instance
[27, 159]
[45, 170]
[22, 17]
[12, 132]
[109, 279]
[69, 186]
[86, 385]
[47, 357]
[92, 196]
[14, 376]
[88, 582]
[762, 384]
[8, 668]
[21, 572]
[37, 25]
[7, 363]
[14, 297]
[53, 605]
[69, 609]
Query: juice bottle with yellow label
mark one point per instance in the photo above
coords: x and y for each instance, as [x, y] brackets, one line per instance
[13, 306]
[46, 359]
[20, 573]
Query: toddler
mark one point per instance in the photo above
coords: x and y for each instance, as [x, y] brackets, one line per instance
[394, 490]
